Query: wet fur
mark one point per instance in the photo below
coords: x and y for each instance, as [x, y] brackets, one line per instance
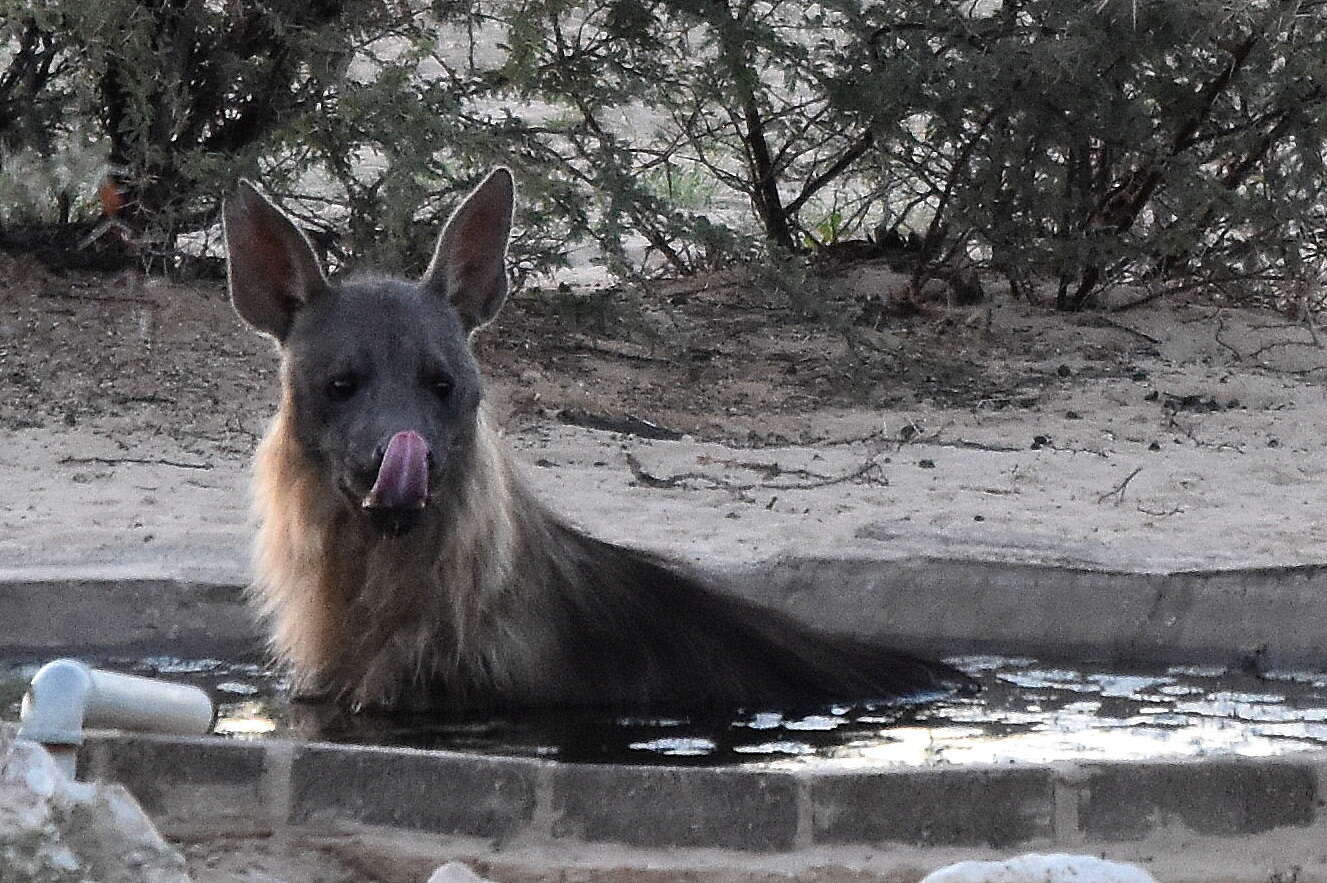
[491, 600]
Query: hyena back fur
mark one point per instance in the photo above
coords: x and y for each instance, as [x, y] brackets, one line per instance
[402, 563]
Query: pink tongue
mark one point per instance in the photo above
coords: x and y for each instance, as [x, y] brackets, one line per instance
[403, 477]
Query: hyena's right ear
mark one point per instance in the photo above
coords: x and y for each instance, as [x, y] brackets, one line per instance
[272, 268]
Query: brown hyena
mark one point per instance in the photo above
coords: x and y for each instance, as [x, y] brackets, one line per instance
[402, 562]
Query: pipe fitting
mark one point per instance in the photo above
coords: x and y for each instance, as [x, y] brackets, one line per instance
[65, 696]
[55, 705]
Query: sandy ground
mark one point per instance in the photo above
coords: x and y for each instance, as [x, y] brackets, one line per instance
[1179, 434]
[1176, 435]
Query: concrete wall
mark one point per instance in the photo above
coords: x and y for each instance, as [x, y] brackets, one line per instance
[268, 786]
[1272, 616]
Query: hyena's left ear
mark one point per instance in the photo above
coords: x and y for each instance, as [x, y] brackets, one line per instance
[272, 268]
[470, 264]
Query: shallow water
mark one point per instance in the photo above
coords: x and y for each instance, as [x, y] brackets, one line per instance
[1026, 711]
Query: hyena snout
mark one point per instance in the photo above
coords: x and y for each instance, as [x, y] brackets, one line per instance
[399, 474]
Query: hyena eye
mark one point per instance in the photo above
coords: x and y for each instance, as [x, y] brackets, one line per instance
[342, 387]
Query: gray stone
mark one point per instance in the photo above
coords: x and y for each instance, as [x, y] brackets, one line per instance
[1221, 797]
[934, 807]
[167, 773]
[55, 830]
[425, 791]
[124, 615]
[1034, 868]
[656, 806]
[456, 872]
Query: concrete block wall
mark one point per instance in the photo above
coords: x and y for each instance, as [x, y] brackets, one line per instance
[270, 785]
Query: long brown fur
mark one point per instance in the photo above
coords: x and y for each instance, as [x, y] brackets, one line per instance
[510, 607]
[486, 599]
[346, 607]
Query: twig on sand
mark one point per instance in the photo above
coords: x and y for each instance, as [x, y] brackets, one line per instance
[117, 461]
[1118, 491]
[1160, 513]
[1216, 335]
[863, 472]
[672, 481]
[911, 433]
[1127, 329]
[679, 480]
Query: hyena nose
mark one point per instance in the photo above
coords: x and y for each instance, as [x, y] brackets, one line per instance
[402, 480]
[364, 468]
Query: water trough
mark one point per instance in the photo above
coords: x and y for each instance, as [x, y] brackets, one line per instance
[1183, 626]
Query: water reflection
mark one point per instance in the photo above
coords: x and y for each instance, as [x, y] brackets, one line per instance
[1026, 712]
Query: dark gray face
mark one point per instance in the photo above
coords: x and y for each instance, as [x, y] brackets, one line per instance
[369, 360]
[379, 371]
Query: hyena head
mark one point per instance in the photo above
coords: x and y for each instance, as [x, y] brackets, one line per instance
[377, 374]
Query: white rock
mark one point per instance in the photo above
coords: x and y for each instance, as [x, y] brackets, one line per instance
[53, 830]
[455, 872]
[1034, 868]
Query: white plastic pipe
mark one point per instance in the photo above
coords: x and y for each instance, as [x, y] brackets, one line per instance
[65, 696]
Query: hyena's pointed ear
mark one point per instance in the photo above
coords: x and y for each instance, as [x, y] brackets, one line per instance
[470, 264]
[273, 270]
